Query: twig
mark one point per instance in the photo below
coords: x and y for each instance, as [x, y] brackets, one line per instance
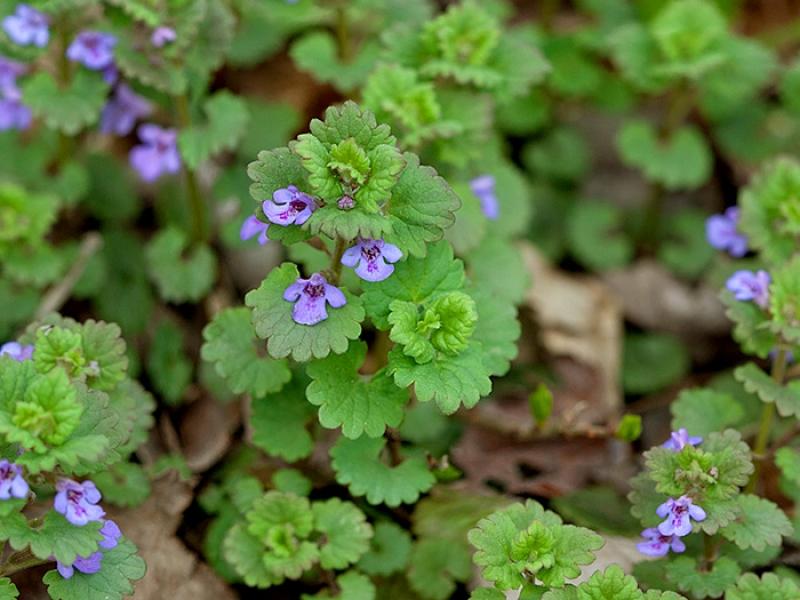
[56, 296]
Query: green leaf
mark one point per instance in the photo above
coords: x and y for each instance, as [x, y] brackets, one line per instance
[450, 381]
[596, 236]
[227, 123]
[245, 553]
[750, 326]
[766, 205]
[416, 280]
[786, 397]
[125, 484]
[231, 344]
[685, 251]
[686, 574]
[788, 460]
[352, 586]
[68, 109]
[169, 368]
[317, 53]
[55, 536]
[271, 125]
[388, 552]
[8, 591]
[292, 481]
[180, 274]
[435, 568]
[611, 584]
[681, 162]
[498, 267]
[760, 523]
[652, 362]
[272, 317]
[358, 465]
[279, 422]
[497, 330]
[421, 208]
[702, 411]
[345, 398]
[345, 531]
[121, 566]
[497, 539]
[768, 587]
[597, 508]
[629, 428]
[487, 594]
[561, 155]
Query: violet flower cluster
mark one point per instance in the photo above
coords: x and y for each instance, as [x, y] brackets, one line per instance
[13, 113]
[27, 27]
[12, 483]
[722, 232]
[678, 514]
[372, 259]
[311, 297]
[750, 286]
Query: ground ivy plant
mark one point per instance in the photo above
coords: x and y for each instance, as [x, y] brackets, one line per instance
[70, 418]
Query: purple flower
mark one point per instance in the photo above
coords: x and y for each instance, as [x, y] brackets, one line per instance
[123, 110]
[747, 285]
[162, 36]
[12, 484]
[92, 563]
[346, 203]
[310, 297]
[723, 234]
[16, 351]
[158, 154]
[289, 205]
[370, 258]
[483, 188]
[111, 534]
[658, 544]
[678, 440]
[252, 227]
[93, 49]
[27, 26]
[13, 114]
[78, 501]
[678, 515]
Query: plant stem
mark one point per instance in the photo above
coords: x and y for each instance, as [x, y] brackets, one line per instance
[709, 552]
[343, 34]
[20, 561]
[336, 260]
[767, 416]
[197, 208]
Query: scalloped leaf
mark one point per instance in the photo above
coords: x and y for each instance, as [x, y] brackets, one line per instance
[435, 567]
[345, 398]
[227, 119]
[231, 344]
[416, 280]
[180, 274]
[760, 524]
[359, 466]
[685, 573]
[786, 397]
[702, 411]
[68, 109]
[450, 381]
[279, 422]
[596, 235]
[389, 550]
[768, 587]
[245, 553]
[272, 317]
[8, 591]
[54, 537]
[345, 531]
[352, 586]
[121, 567]
[682, 162]
[316, 52]
[422, 206]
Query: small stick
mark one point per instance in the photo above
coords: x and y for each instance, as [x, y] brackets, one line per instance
[57, 295]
